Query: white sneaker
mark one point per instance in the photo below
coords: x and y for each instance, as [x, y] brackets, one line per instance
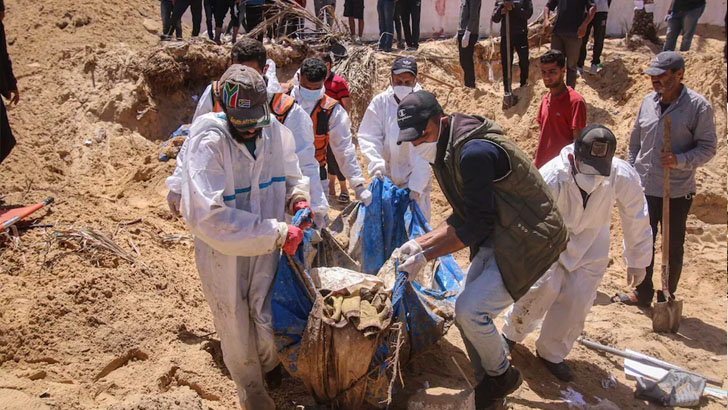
[357, 40]
[580, 71]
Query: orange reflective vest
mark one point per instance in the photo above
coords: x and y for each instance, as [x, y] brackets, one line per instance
[280, 105]
[320, 117]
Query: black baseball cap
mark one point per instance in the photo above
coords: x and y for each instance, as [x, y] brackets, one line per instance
[595, 147]
[243, 94]
[413, 113]
[666, 60]
[404, 65]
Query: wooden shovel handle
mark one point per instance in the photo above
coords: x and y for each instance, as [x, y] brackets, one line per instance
[667, 147]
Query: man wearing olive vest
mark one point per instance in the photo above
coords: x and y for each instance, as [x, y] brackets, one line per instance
[502, 210]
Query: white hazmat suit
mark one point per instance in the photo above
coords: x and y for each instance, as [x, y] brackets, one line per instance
[302, 128]
[339, 141]
[235, 206]
[566, 293]
[377, 136]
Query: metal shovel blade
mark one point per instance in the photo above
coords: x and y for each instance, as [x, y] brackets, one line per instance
[509, 100]
[666, 316]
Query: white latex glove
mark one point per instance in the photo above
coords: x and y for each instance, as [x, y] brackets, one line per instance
[408, 249]
[363, 194]
[378, 175]
[413, 265]
[635, 276]
[270, 67]
[466, 39]
[321, 220]
[173, 200]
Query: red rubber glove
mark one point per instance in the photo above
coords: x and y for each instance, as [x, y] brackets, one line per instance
[304, 205]
[293, 239]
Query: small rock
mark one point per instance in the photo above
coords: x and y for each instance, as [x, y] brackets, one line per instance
[39, 375]
[63, 23]
[441, 398]
[100, 134]
[87, 142]
[79, 21]
[151, 26]
[715, 359]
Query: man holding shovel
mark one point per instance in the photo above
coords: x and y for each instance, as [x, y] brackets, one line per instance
[693, 143]
[513, 16]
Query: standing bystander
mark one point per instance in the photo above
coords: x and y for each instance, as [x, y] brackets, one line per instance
[693, 140]
[562, 114]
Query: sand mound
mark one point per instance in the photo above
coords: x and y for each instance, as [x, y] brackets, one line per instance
[95, 329]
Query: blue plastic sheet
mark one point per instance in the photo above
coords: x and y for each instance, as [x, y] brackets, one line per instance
[389, 221]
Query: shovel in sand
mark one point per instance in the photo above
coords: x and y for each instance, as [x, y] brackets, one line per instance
[666, 315]
[509, 99]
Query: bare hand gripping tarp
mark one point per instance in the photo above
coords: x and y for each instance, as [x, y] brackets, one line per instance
[341, 364]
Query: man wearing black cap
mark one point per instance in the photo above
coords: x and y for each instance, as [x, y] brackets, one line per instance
[586, 182]
[693, 140]
[502, 210]
[236, 191]
[378, 134]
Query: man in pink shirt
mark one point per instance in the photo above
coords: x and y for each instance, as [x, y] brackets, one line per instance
[562, 114]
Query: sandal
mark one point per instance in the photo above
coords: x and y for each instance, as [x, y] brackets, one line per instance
[344, 197]
[629, 299]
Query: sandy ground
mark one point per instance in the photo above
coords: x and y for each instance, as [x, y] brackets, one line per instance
[82, 327]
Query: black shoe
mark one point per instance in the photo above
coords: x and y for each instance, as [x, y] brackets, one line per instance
[524, 84]
[560, 370]
[490, 393]
[509, 344]
[273, 378]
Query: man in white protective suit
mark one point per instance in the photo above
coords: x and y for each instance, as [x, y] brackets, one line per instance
[378, 133]
[586, 181]
[251, 53]
[330, 125]
[236, 190]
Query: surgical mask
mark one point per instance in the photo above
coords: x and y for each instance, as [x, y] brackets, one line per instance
[401, 91]
[427, 151]
[311, 95]
[588, 183]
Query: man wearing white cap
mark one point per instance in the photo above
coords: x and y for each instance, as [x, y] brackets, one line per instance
[378, 134]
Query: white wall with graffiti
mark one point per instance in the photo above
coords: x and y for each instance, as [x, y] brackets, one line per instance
[440, 17]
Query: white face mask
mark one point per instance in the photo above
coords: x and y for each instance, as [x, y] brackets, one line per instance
[588, 183]
[427, 151]
[402, 91]
[311, 95]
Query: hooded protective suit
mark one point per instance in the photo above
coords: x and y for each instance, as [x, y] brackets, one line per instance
[566, 292]
[235, 205]
[339, 140]
[302, 128]
[378, 134]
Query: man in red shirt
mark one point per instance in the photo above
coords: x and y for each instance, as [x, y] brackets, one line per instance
[562, 114]
[337, 89]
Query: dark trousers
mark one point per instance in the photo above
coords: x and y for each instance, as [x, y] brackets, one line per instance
[180, 6]
[410, 15]
[679, 208]
[166, 10]
[519, 44]
[599, 23]
[332, 166]
[209, 14]
[570, 46]
[7, 141]
[253, 17]
[466, 59]
[398, 20]
[385, 8]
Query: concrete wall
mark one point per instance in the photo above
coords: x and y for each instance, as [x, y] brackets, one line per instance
[440, 17]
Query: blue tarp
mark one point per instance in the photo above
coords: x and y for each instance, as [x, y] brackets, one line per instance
[384, 225]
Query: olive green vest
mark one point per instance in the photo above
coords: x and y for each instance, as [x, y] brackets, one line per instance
[529, 233]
